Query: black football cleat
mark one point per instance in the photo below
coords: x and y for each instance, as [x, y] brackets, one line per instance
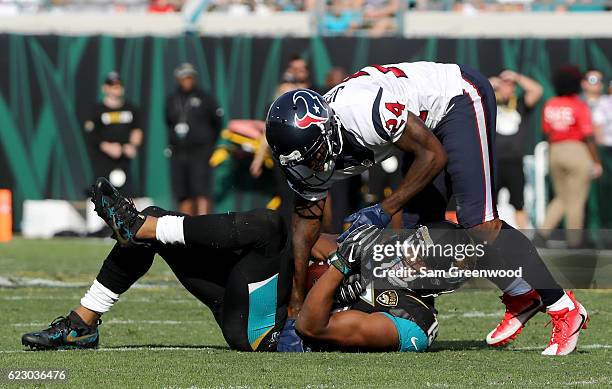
[63, 333]
[118, 212]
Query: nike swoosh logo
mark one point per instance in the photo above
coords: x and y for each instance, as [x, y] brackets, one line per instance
[535, 303]
[350, 258]
[580, 326]
[413, 341]
[71, 338]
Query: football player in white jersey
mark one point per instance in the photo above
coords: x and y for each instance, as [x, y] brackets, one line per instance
[443, 117]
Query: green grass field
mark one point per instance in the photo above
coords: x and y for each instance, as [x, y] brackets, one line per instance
[160, 336]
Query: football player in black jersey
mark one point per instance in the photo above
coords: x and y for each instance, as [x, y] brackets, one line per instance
[240, 265]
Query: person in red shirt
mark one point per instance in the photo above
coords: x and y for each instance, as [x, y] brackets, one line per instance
[566, 121]
[161, 7]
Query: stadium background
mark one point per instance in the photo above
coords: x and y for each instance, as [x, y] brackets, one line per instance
[53, 79]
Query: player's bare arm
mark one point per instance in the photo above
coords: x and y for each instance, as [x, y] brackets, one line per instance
[306, 226]
[429, 159]
[350, 328]
[325, 246]
[533, 90]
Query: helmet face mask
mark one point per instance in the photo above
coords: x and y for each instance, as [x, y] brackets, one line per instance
[304, 136]
[316, 167]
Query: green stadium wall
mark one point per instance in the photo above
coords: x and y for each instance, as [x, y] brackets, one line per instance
[49, 83]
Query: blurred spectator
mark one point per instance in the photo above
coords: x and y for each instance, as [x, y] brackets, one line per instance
[115, 134]
[342, 17]
[573, 156]
[602, 120]
[380, 16]
[592, 87]
[296, 75]
[161, 7]
[194, 121]
[334, 77]
[513, 113]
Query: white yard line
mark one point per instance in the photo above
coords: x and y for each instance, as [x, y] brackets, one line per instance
[479, 314]
[13, 282]
[118, 321]
[580, 347]
[27, 282]
[78, 297]
[469, 314]
[209, 349]
[125, 349]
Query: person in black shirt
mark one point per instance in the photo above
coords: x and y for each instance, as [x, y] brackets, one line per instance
[194, 121]
[114, 134]
[513, 112]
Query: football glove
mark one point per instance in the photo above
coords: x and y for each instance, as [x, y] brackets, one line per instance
[289, 341]
[374, 215]
[350, 290]
[353, 249]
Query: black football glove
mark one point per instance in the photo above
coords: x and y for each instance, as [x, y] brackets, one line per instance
[354, 248]
[350, 290]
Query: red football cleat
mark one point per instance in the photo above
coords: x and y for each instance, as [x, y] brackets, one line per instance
[519, 309]
[566, 328]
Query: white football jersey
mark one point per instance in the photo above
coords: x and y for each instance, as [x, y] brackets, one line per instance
[373, 106]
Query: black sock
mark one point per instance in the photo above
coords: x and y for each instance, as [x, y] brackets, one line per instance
[493, 260]
[518, 251]
[124, 266]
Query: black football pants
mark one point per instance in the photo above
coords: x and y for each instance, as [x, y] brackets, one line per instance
[237, 264]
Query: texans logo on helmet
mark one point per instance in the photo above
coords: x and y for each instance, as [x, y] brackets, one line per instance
[311, 103]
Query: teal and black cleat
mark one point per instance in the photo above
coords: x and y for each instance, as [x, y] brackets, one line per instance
[63, 333]
[118, 212]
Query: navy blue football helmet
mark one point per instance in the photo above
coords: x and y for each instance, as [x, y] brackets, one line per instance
[304, 136]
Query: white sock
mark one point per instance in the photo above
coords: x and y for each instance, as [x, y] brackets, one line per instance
[563, 302]
[518, 287]
[99, 298]
[169, 230]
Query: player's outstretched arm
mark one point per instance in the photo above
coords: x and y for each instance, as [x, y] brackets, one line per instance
[429, 159]
[350, 328]
[306, 226]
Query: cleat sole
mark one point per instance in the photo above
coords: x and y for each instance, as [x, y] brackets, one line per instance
[42, 347]
[507, 340]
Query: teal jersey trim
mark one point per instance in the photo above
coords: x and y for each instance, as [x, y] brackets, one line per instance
[262, 308]
[411, 336]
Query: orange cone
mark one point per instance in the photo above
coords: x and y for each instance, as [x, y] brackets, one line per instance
[6, 216]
